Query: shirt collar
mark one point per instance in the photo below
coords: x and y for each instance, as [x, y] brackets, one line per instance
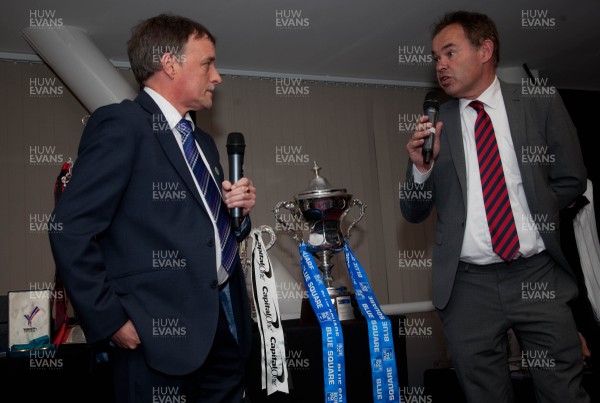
[171, 114]
[491, 97]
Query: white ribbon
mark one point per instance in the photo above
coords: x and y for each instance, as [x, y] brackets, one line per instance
[264, 292]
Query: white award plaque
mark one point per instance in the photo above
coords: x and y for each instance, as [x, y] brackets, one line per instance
[29, 316]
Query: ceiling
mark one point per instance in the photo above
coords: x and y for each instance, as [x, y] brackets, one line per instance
[378, 41]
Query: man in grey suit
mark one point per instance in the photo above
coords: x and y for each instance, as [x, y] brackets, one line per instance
[140, 251]
[487, 278]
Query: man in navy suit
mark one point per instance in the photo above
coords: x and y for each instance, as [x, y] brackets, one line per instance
[140, 250]
[481, 292]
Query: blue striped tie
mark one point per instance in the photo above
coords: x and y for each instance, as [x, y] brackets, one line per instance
[212, 195]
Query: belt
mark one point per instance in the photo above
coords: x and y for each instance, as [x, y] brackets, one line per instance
[520, 262]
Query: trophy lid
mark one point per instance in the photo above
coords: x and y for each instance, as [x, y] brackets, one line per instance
[319, 187]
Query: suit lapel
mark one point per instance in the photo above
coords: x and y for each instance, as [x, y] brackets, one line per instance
[165, 137]
[212, 159]
[515, 111]
[452, 129]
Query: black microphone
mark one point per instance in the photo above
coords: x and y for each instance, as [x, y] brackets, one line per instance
[430, 108]
[235, 151]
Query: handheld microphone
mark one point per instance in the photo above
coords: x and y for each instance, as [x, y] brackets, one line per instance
[235, 151]
[430, 108]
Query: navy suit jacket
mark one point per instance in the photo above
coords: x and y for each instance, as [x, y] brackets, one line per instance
[136, 240]
[550, 184]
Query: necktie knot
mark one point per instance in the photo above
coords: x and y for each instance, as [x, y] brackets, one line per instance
[477, 105]
[185, 128]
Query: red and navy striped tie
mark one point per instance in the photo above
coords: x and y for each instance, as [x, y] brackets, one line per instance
[212, 195]
[501, 222]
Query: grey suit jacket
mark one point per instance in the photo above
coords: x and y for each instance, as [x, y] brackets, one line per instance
[549, 184]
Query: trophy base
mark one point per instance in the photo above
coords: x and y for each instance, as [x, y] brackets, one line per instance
[343, 302]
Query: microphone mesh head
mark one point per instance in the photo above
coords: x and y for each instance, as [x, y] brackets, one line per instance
[431, 101]
[235, 143]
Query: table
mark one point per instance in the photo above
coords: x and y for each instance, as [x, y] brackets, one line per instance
[305, 363]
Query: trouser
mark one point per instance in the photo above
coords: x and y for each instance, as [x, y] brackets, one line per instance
[529, 296]
[219, 380]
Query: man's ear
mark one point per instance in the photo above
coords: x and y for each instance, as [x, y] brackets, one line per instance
[168, 63]
[487, 50]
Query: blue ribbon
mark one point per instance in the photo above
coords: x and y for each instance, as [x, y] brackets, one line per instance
[381, 343]
[331, 330]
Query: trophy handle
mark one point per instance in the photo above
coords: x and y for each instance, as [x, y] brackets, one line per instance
[293, 209]
[244, 246]
[353, 202]
[268, 230]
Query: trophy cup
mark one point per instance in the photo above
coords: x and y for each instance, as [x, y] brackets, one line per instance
[324, 208]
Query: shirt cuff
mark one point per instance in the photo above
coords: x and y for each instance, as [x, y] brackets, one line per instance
[420, 177]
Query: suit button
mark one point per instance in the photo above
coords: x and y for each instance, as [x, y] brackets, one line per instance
[214, 284]
[211, 242]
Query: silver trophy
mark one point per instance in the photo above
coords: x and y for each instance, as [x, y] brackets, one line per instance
[324, 208]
